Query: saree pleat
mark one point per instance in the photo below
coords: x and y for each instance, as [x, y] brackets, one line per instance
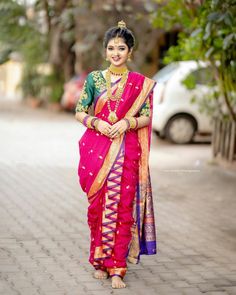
[104, 253]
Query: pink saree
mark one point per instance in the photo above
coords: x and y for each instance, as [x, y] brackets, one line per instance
[114, 173]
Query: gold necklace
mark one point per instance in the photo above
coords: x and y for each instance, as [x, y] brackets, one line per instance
[119, 88]
[117, 71]
[112, 117]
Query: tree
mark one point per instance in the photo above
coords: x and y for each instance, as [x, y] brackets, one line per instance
[208, 32]
[67, 34]
[93, 18]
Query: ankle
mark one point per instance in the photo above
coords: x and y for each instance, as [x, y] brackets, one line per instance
[116, 275]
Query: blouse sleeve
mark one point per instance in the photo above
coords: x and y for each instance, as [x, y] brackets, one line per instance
[86, 96]
[145, 109]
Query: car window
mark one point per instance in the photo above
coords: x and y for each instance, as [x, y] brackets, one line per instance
[165, 73]
[203, 76]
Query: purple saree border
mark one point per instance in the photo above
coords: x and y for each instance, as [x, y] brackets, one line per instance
[148, 248]
[138, 216]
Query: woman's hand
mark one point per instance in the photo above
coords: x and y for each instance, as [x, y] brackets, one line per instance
[118, 128]
[103, 127]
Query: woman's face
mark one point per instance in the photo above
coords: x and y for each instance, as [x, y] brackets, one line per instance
[117, 52]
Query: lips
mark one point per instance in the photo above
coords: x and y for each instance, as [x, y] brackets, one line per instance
[116, 58]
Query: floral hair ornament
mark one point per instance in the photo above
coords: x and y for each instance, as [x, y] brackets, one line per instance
[122, 25]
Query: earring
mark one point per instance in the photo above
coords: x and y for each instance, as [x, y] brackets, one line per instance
[107, 58]
[129, 57]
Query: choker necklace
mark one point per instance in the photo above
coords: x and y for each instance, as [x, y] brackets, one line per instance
[117, 71]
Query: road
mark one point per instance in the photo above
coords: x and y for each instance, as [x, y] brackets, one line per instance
[44, 234]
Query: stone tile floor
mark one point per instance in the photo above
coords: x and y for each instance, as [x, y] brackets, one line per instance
[44, 237]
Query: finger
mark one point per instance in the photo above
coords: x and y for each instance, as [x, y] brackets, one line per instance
[112, 131]
[116, 134]
[108, 130]
[107, 127]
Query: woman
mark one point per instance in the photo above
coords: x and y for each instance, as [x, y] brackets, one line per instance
[113, 168]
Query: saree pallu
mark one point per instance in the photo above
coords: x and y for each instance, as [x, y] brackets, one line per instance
[114, 173]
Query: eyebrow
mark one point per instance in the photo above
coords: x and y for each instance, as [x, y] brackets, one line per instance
[116, 45]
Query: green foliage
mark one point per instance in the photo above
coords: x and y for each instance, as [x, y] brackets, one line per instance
[175, 13]
[23, 35]
[18, 34]
[208, 32]
[53, 83]
[202, 76]
[46, 87]
[190, 82]
[13, 23]
[65, 34]
[31, 82]
[5, 52]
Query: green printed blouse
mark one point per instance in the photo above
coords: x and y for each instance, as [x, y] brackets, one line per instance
[94, 84]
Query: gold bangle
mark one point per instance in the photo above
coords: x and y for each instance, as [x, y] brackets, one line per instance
[132, 122]
[89, 125]
[96, 124]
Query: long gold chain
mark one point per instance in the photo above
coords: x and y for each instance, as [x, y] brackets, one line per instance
[117, 96]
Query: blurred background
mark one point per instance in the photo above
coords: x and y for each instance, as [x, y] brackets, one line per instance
[188, 47]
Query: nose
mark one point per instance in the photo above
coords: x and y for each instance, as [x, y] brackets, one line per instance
[116, 53]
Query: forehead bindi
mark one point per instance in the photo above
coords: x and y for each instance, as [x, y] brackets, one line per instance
[117, 42]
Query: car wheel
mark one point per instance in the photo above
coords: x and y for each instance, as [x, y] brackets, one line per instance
[181, 129]
[159, 134]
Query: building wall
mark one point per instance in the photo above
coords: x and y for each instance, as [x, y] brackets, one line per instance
[10, 75]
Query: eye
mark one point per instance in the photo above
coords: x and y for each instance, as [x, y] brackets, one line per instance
[110, 48]
[122, 48]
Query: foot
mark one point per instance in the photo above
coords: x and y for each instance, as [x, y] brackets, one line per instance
[100, 274]
[117, 282]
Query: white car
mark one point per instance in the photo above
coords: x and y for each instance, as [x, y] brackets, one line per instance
[175, 117]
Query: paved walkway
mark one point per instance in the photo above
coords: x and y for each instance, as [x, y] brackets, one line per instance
[44, 237]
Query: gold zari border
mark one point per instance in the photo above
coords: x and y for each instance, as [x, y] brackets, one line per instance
[146, 88]
[106, 167]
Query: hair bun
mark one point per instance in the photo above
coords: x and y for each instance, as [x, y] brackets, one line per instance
[122, 24]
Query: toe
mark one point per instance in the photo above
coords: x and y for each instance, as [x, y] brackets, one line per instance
[100, 274]
[114, 284]
[117, 283]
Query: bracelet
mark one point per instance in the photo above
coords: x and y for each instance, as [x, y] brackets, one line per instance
[89, 125]
[136, 126]
[127, 122]
[133, 122]
[89, 121]
[85, 120]
[93, 122]
[96, 123]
